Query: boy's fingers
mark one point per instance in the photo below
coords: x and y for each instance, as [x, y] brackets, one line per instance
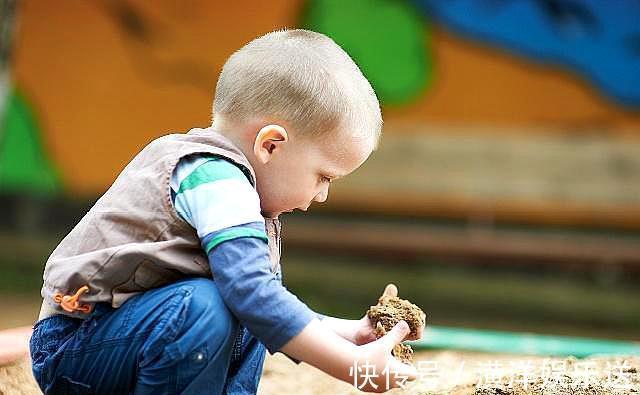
[390, 290]
[403, 370]
[396, 334]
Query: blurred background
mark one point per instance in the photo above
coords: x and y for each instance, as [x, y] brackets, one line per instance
[505, 193]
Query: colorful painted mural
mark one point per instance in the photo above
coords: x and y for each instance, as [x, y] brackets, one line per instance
[23, 161]
[597, 40]
[92, 82]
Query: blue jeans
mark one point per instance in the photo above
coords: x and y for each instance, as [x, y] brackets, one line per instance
[177, 339]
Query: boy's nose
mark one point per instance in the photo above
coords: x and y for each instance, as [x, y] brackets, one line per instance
[322, 196]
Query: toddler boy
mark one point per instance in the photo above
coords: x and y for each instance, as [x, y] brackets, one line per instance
[171, 283]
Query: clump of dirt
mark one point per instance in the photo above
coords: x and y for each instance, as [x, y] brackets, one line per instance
[388, 312]
[403, 352]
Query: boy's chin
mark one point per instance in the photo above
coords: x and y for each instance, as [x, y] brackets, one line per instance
[274, 215]
[271, 215]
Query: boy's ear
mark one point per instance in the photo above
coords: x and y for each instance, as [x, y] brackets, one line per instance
[269, 139]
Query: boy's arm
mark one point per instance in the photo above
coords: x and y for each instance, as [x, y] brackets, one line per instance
[241, 270]
[347, 329]
[217, 200]
[327, 351]
[240, 263]
[283, 323]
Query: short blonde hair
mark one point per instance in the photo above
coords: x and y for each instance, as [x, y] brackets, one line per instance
[300, 77]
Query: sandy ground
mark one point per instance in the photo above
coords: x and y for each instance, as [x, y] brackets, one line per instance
[17, 379]
[455, 373]
[442, 372]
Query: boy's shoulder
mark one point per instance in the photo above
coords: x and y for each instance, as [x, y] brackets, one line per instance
[198, 169]
[203, 144]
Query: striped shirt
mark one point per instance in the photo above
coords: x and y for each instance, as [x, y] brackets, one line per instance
[216, 198]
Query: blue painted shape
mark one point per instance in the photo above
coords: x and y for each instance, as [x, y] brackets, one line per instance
[598, 39]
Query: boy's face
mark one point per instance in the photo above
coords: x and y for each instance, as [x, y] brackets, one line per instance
[299, 170]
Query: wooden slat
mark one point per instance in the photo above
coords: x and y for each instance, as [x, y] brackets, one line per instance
[529, 177]
[502, 246]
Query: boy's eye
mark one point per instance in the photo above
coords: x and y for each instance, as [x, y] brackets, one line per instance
[325, 179]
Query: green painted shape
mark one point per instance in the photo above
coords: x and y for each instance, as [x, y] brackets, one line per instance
[437, 337]
[24, 166]
[386, 38]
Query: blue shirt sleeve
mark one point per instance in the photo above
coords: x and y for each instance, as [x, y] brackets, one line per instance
[255, 295]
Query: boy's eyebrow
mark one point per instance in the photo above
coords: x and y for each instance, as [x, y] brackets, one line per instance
[332, 175]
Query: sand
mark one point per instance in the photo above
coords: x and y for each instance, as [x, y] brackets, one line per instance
[441, 372]
[388, 312]
[16, 378]
[456, 373]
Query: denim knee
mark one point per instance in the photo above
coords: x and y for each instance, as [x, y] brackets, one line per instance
[208, 321]
[45, 345]
[205, 333]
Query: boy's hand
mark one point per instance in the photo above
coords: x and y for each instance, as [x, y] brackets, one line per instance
[365, 332]
[377, 369]
[370, 367]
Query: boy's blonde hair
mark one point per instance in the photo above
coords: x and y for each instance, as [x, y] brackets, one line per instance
[302, 78]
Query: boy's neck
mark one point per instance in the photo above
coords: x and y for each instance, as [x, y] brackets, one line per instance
[242, 136]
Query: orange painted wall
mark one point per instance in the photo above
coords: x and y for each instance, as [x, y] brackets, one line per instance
[101, 96]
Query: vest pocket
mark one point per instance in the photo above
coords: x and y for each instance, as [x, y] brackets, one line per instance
[150, 275]
[147, 275]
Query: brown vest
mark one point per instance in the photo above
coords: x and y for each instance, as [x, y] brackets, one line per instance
[132, 239]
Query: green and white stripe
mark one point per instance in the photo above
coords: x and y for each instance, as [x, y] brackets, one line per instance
[213, 194]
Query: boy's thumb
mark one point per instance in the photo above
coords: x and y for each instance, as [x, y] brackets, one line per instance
[390, 290]
[397, 334]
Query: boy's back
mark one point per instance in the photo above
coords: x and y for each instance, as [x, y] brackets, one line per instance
[132, 239]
